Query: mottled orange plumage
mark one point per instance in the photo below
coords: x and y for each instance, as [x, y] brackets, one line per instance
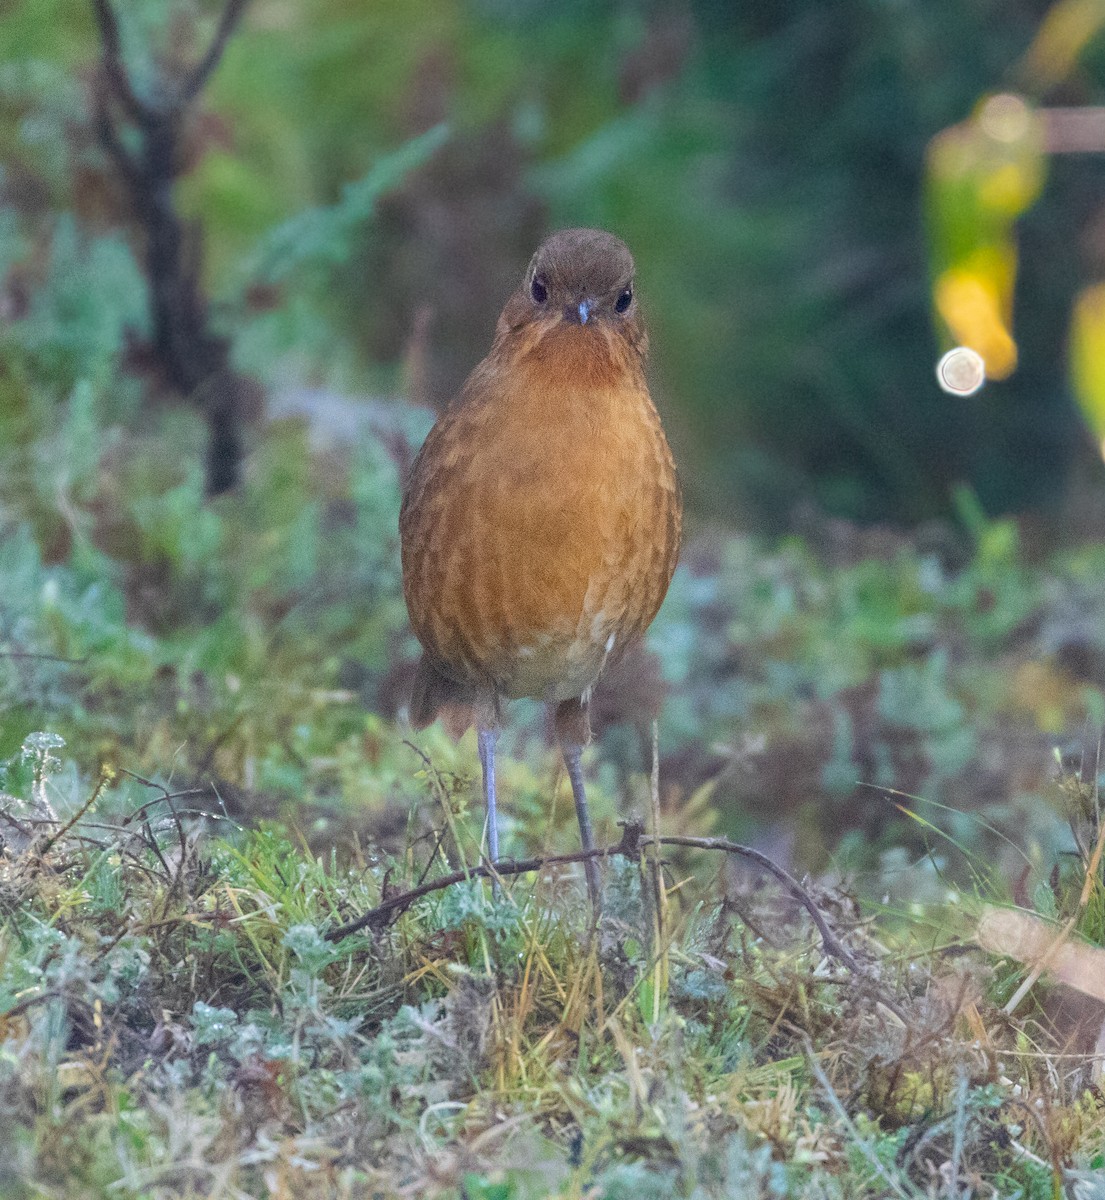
[540, 525]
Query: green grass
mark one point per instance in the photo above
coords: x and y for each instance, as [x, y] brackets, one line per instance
[176, 1024]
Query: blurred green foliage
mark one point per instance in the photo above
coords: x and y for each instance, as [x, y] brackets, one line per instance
[766, 166]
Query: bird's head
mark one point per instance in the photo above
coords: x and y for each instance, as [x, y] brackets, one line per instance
[582, 280]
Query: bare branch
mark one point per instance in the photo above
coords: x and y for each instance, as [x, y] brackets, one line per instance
[114, 148]
[53, 839]
[136, 108]
[629, 847]
[56, 658]
[169, 796]
[829, 940]
[195, 81]
[392, 906]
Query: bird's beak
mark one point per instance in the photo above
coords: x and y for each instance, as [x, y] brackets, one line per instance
[580, 312]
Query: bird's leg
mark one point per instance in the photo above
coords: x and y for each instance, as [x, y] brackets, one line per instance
[586, 834]
[573, 729]
[487, 737]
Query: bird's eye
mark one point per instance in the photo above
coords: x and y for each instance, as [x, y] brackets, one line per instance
[539, 289]
[624, 300]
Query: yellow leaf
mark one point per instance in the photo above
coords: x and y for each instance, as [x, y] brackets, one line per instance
[974, 299]
[1087, 355]
[1063, 34]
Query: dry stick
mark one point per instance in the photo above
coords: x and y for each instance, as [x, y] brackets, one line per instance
[660, 897]
[392, 906]
[48, 845]
[22, 1006]
[629, 847]
[167, 797]
[141, 809]
[199, 75]
[135, 107]
[57, 658]
[833, 945]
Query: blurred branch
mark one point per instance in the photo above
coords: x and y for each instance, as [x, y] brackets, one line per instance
[195, 361]
[114, 69]
[198, 77]
[1074, 130]
[109, 139]
[34, 654]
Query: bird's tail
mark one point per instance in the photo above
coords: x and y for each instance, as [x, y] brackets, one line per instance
[433, 695]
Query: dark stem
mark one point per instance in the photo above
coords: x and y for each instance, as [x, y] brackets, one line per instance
[203, 70]
[195, 360]
[633, 841]
[135, 108]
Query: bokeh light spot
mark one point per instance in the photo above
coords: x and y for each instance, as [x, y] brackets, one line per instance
[961, 372]
[1005, 118]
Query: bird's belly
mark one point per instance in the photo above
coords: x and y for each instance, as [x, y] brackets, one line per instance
[525, 614]
[551, 667]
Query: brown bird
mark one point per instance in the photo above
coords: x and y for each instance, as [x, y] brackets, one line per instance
[540, 524]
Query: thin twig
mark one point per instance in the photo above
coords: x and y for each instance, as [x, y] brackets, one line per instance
[58, 658]
[829, 940]
[438, 786]
[54, 838]
[29, 1002]
[136, 108]
[438, 840]
[633, 841]
[200, 74]
[392, 906]
[168, 797]
[152, 843]
[869, 1151]
[661, 966]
